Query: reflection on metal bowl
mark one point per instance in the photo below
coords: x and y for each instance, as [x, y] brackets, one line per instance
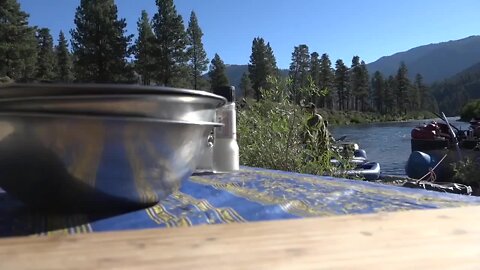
[90, 163]
[15, 90]
[168, 106]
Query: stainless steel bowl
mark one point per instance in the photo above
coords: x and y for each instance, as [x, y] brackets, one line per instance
[113, 100]
[168, 106]
[89, 163]
[15, 90]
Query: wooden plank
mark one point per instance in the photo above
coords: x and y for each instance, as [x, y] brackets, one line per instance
[424, 239]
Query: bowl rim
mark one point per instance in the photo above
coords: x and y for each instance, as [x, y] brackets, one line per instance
[18, 90]
[108, 118]
[103, 98]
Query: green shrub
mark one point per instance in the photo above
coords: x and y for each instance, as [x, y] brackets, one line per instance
[5, 79]
[467, 172]
[271, 134]
[271, 131]
[471, 110]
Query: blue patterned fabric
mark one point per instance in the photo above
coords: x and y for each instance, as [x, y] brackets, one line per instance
[249, 195]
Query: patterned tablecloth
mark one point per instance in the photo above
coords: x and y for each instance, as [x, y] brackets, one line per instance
[249, 195]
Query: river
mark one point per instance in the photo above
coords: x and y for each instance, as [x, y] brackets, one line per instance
[385, 143]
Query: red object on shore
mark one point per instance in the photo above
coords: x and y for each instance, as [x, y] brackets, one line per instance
[423, 133]
[430, 131]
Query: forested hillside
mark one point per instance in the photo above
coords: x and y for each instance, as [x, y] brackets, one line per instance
[436, 62]
[168, 50]
[454, 93]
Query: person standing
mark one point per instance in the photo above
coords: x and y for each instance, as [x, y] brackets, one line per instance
[317, 138]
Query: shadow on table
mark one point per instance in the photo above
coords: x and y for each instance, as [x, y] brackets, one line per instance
[17, 219]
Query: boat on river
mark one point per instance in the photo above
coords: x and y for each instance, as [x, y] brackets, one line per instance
[369, 171]
[436, 146]
[358, 165]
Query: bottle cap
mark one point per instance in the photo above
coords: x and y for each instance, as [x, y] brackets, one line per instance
[227, 92]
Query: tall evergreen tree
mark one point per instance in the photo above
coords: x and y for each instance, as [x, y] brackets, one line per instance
[341, 84]
[423, 92]
[144, 50]
[170, 54]
[46, 64]
[217, 73]
[364, 87]
[299, 70]
[414, 98]
[63, 59]
[198, 60]
[314, 70]
[356, 77]
[378, 88]
[390, 95]
[325, 82]
[315, 67]
[246, 85]
[17, 42]
[99, 43]
[402, 88]
[262, 65]
[271, 61]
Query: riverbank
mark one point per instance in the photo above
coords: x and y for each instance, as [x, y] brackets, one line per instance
[355, 117]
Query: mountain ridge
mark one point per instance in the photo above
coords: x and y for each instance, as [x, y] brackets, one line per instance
[453, 93]
[435, 61]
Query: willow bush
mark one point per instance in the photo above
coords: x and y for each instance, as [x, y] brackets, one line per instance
[467, 172]
[271, 132]
[471, 110]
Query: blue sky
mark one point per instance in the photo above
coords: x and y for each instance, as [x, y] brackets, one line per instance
[368, 28]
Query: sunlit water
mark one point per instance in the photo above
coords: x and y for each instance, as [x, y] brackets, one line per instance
[385, 143]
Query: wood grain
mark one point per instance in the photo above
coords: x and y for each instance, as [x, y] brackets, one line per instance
[423, 239]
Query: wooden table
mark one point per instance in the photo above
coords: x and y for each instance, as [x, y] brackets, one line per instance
[418, 239]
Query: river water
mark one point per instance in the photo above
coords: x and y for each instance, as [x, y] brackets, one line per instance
[385, 143]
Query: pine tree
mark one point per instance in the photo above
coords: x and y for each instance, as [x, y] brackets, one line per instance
[46, 64]
[198, 60]
[423, 92]
[314, 70]
[261, 66]
[378, 88]
[246, 85]
[272, 68]
[402, 88]
[299, 68]
[99, 43]
[217, 73]
[414, 98]
[341, 84]
[356, 77]
[144, 50]
[325, 83]
[64, 62]
[17, 42]
[315, 67]
[170, 55]
[364, 87]
[391, 105]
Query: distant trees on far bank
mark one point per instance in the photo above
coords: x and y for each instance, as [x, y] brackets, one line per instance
[312, 79]
[18, 44]
[167, 51]
[99, 44]
[164, 53]
[471, 110]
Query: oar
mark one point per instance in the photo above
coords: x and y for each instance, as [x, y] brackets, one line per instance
[445, 120]
[454, 136]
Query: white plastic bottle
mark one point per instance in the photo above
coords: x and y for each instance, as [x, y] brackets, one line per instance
[226, 155]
